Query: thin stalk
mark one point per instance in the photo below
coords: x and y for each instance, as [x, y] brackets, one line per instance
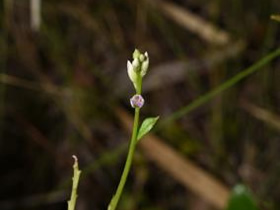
[76, 176]
[114, 202]
[136, 75]
[224, 86]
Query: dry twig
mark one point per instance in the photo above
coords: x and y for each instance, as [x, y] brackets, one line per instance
[206, 30]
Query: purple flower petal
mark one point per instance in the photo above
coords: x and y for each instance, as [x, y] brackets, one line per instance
[137, 101]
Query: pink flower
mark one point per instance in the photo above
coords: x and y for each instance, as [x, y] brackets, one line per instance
[137, 101]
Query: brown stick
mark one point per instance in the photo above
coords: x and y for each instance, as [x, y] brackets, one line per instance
[261, 114]
[193, 23]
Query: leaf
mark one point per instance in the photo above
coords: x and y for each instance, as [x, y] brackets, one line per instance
[241, 199]
[146, 126]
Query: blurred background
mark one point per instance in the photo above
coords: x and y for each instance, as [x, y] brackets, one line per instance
[64, 90]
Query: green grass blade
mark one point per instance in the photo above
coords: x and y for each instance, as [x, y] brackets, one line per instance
[224, 86]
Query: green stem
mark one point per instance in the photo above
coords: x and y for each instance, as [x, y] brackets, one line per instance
[76, 176]
[139, 84]
[114, 202]
[224, 86]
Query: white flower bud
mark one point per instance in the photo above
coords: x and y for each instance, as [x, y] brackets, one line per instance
[131, 73]
[136, 64]
[137, 69]
[141, 57]
[145, 65]
[136, 54]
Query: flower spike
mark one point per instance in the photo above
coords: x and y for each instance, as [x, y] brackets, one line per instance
[137, 68]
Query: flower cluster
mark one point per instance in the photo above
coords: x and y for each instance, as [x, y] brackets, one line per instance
[137, 69]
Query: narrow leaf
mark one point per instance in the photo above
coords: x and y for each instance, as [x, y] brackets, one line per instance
[241, 199]
[146, 126]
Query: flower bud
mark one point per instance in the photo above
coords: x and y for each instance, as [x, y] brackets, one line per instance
[145, 65]
[137, 68]
[131, 73]
[136, 64]
[136, 54]
[137, 101]
[141, 58]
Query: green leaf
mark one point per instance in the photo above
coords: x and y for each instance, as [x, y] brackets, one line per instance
[146, 126]
[241, 199]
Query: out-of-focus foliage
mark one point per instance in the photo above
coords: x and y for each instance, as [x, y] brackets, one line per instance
[241, 199]
[60, 87]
